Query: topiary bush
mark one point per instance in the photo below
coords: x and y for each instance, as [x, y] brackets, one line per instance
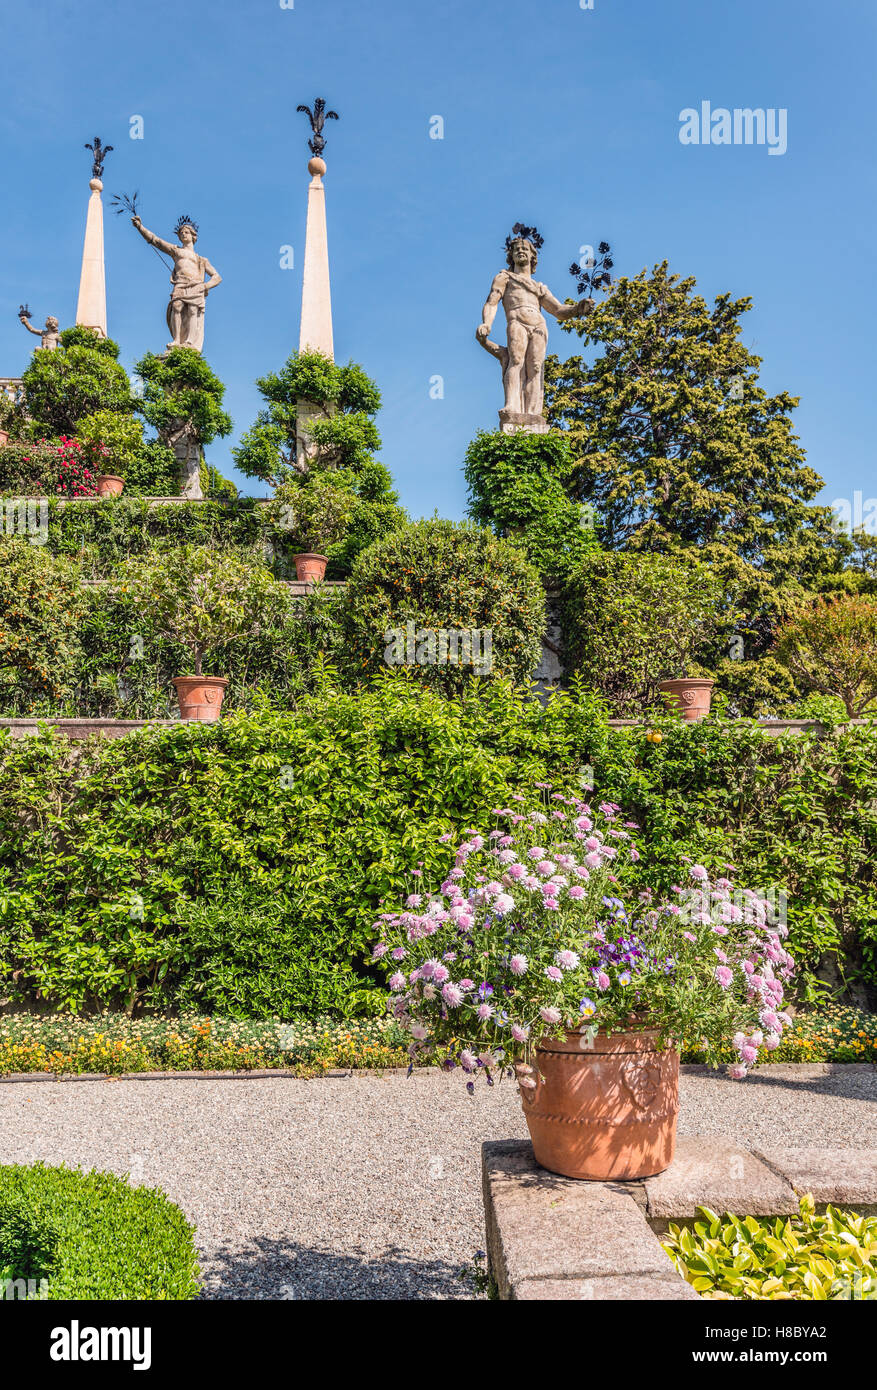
[633, 620]
[440, 577]
[92, 1236]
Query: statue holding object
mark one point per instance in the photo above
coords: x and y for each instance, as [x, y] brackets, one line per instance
[189, 289]
[523, 359]
[49, 336]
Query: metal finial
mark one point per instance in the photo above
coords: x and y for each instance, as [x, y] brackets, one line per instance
[318, 118]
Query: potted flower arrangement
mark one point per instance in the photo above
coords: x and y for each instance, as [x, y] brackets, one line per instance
[531, 959]
[75, 478]
[203, 599]
[315, 513]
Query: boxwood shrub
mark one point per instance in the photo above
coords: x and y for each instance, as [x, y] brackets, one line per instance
[92, 1236]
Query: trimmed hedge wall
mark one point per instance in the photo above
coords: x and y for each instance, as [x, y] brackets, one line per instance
[238, 867]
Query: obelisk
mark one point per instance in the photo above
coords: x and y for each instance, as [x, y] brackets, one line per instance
[91, 308]
[315, 332]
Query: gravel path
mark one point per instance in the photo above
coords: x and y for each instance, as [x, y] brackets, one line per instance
[363, 1187]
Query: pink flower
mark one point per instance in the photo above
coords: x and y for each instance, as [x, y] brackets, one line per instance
[452, 996]
[567, 960]
[503, 903]
[468, 1060]
[418, 1031]
[749, 1054]
[724, 976]
[397, 981]
[698, 872]
[518, 965]
[602, 980]
[550, 1015]
[736, 1072]
[593, 860]
[577, 891]
[545, 867]
[772, 1041]
[380, 950]
[553, 973]
[520, 1033]
[516, 871]
[483, 1013]
[440, 974]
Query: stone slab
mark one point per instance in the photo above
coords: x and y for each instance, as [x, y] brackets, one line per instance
[844, 1177]
[541, 1226]
[713, 1173]
[614, 1288]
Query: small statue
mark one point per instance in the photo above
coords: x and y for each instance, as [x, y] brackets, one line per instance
[49, 336]
[185, 312]
[523, 360]
[318, 118]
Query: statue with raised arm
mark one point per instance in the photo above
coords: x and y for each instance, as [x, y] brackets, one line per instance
[49, 336]
[523, 360]
[189, 289]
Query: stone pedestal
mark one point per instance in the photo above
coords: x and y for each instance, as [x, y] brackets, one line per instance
[510, 422]
[91, 307]
[188, 453]
[306, 414]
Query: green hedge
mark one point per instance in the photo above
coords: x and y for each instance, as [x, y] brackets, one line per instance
[91, 1236]
[238, 867]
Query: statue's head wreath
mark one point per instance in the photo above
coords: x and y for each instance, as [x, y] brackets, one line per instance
[520, 232]
[185, 221]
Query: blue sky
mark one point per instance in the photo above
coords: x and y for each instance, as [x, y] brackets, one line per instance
[554, 115]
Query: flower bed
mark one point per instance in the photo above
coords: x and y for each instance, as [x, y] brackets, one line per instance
[114, 1043]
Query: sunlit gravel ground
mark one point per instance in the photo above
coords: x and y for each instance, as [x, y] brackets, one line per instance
[364, 1187]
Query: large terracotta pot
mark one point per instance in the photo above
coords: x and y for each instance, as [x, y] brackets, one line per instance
[309, 568]
[604, 1110]
[109, 485]
[693, 696]
[200, 697]
[4, 437]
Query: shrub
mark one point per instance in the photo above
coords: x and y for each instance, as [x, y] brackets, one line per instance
[519, 485]
[831, 649]
[111, 442]
[111, 1241]
[631, 621]
[313, 512]
[343, 439]
[43, 469]
[79, 378]
[311, 818]
[434, 577]
[40, 606]
[28, 1240]
[199, 598]
[833, 1256]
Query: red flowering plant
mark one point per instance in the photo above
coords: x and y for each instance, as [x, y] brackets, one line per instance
[534, 933]
[75, 478]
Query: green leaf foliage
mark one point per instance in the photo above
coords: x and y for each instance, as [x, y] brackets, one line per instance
[241, 865]
[443, 576]
[808, 1256]
[95, 1237]
[520, 485]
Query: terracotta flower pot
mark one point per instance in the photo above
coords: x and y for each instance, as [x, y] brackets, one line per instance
[108, 485]
[309, 568]
[602, 1111]
[200, 697]
[4, 437]
[693, 696]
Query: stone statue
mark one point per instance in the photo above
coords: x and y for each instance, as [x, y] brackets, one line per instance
[523, 360]
[185, 312]
[49, 336]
